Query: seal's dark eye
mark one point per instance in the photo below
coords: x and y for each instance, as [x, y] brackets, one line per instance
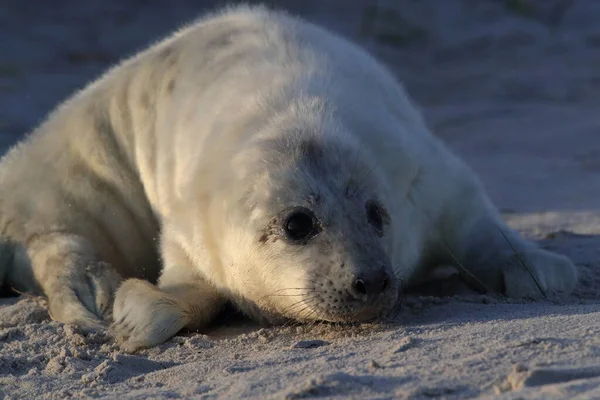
[300, 225]
[375, 216]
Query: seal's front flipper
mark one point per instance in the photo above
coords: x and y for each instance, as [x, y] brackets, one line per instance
[79, 288]
[146, 315]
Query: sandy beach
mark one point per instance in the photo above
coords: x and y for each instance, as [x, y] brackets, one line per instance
[511, 86]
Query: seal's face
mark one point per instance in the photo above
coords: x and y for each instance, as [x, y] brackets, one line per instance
[321, 232]
[331, 263]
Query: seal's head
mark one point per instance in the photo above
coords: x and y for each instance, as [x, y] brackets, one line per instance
[316, 232]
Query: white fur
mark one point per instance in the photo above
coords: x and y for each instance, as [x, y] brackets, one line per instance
[193, 141]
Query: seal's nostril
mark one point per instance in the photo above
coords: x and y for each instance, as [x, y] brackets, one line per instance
[372, 285]
[359, 286]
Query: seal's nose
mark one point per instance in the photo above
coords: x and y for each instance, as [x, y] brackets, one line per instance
[370, 285]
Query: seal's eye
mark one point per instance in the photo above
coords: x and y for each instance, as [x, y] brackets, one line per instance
[300, 225]
[375, 216]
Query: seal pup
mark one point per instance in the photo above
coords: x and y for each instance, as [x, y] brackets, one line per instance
[251, 157]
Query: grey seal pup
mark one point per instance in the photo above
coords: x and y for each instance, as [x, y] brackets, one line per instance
[251, 158]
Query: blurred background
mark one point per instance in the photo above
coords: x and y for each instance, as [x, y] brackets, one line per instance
[510, 85]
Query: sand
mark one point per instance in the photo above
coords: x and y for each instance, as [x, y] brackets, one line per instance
[511, 86]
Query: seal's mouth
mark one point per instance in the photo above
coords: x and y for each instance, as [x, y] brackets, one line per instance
[345, 309]
[361, 315]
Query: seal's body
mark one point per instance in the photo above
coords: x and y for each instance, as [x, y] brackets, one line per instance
[251, 157]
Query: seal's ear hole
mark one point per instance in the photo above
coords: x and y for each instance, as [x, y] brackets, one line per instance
[300, 225]
[376, 215]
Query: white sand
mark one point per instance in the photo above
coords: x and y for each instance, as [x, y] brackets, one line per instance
[515, 95]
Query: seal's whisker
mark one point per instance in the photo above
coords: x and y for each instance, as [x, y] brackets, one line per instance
[306, 301]
[313, 313]
[304, 309]
[290, 323]
[397, 275]
[306, 304]
[359, 187]
[451, 253]
[463, 268]
[284, 295]
[309, 306]
[281, 290]
[302, 301]
[537, 283]
[275, 293]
